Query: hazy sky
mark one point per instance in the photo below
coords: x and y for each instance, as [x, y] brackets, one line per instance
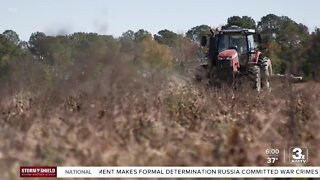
[117, 16]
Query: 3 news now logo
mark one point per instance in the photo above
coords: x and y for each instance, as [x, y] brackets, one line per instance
[38, 171]
[298, 155]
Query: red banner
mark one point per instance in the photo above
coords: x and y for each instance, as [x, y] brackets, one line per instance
[38, 171]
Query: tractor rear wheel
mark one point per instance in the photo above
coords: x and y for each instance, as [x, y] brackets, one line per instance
[255, 77]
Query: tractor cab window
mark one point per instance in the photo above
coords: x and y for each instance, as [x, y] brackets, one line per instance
[233, 41]
[223, 43]
[251, 43]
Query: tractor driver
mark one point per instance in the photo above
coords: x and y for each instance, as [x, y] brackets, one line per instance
[241, 45]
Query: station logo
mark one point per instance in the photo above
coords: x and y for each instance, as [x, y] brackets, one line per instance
[298, 155]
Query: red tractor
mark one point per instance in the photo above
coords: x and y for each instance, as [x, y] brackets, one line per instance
[231, 55]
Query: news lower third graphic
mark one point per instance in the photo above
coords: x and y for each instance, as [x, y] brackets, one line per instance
[172, 172]
[296, 157]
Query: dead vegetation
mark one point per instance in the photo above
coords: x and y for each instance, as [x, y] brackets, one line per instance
[123, 114]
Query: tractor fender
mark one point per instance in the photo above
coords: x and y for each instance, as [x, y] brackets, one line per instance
[256, 56]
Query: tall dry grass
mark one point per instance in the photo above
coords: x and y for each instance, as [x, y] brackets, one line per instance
[110, 110]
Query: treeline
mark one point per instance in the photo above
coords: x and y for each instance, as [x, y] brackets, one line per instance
[290, 45]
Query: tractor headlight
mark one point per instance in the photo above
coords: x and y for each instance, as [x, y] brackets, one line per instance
[225, 58]
[229, 58]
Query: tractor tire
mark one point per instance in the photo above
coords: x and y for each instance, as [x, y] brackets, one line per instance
[255, 77]
[266, 71]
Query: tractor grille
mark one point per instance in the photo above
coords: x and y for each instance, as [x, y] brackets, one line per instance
[224, 63]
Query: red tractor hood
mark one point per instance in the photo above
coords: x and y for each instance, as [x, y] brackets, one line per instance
[229, 53]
